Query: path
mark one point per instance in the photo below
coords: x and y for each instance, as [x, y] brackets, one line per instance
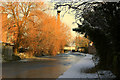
[76, 71]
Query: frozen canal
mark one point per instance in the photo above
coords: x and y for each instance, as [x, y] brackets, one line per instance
[46, 67]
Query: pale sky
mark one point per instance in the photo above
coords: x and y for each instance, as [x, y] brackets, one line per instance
[67, 19]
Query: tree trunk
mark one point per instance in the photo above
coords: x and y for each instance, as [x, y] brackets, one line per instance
[17, 43]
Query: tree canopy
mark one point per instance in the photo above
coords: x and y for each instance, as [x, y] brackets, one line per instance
[28, 25]
[100, 22]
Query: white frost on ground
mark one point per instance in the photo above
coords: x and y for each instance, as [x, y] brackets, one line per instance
[76, 70]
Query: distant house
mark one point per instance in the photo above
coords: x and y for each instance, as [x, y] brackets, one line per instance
[69, 48]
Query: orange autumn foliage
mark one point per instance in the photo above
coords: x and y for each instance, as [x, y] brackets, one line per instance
[34, 29]
[13, 27]
[43, 34]
[81, 41]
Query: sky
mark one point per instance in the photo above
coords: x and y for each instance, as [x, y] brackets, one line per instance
[67, 18]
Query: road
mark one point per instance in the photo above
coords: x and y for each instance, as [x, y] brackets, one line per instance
[43, 67]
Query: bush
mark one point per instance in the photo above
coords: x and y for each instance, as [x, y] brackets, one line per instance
[86, 50]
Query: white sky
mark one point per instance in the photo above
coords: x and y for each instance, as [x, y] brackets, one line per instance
[67, 19]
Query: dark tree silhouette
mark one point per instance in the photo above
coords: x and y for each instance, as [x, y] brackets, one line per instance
[100, 21]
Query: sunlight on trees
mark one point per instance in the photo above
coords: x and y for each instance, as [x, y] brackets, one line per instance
[44, 36]
[27, 25]
[81, 41]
